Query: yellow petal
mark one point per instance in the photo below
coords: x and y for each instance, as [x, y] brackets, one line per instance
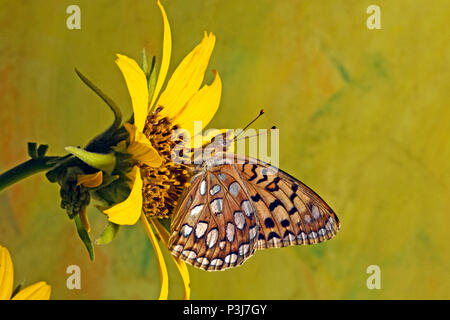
[201, 107]
[137, 87]
[143, 151]
[131, 129]
[38, 291]
[159, 256]
[187, 78]
[6, 274]
[90, 180]
[128, 211]
[167, 52]
[181, 265]
[141, 148]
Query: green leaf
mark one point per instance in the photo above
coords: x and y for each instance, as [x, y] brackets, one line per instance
[105, 162]
[84, 236]
[108, 234]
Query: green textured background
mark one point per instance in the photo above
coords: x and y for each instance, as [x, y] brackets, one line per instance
[363, 118]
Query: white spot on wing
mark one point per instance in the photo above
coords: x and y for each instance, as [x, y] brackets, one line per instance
[239, 220]
[331, 221]
[307, 218]
[203, 187]
[217, 206]
[302, 236]
[230, 231]
[231, 258]
[211, 238]
[312, 235]
[196, 210]
[203, 261]
[289, 237]
[315, 212]
[214, 190]
[178, 248]
[189, 254]
[186, 230]
[189, 202]
[216, 262]
[200, 229]
[234, 188]
[322, 232]
[247, 207]
[222, 244]
[253, 231]
[243, 249]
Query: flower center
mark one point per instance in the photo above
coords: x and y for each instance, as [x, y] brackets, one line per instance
[163, 185]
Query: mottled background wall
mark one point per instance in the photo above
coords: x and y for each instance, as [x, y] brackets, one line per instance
[363, 117]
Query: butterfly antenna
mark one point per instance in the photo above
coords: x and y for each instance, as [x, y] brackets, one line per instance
[256, 135]
[261, 112]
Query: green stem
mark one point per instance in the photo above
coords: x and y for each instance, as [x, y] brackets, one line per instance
[24, 170]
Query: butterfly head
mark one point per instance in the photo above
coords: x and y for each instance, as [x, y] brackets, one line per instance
[221, 142]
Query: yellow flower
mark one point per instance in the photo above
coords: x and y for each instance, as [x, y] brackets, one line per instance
[37, 291]
[182, 102]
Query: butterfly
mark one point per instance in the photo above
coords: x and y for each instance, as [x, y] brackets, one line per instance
[236, 205]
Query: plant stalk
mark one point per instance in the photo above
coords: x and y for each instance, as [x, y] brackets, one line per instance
[24, 170]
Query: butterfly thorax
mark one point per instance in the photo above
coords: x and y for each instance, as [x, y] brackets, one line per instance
[212, 153]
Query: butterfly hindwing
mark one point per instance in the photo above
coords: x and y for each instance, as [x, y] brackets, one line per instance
[215, 227]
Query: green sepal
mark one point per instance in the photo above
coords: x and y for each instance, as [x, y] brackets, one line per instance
[107, 180]
[32, 150]
[18, 288]
[42, 150]
[58, 172]
[101, 142]
[105, 162]
[108, 234]
[37, 152]
[84, 236]
[144, 63]
[152, 80]
[117, 191]
[165, 222]
[150, 73]
[112, 105]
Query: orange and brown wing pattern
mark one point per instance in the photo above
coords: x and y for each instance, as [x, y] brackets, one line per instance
[215, 227]
[289, 212]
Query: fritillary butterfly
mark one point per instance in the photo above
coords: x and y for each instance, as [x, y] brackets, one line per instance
[236, 205]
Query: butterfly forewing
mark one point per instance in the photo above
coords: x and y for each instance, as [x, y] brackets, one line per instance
[215, 227]
[289, 212]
